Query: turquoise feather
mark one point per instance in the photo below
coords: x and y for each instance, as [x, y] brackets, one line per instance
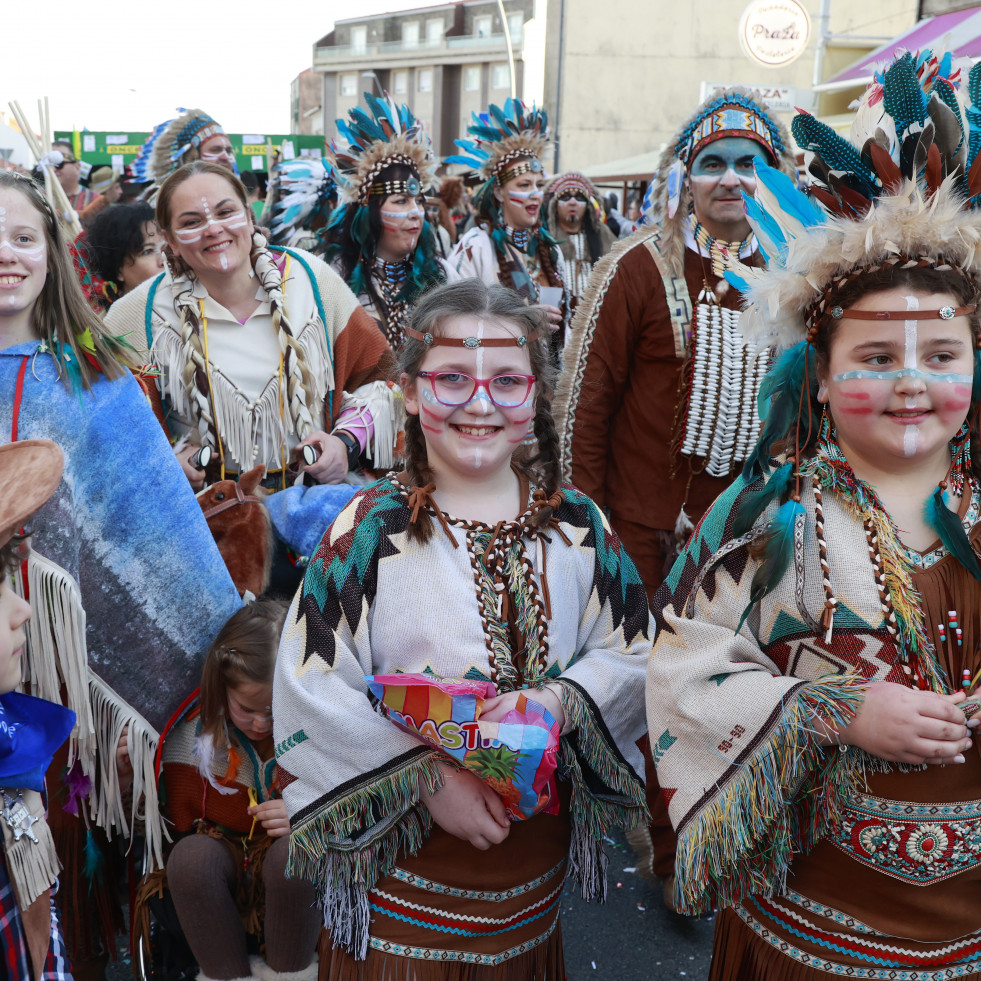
[752, 505]
[94, 861]
[951, 532]
[777, 555]
[902, 97]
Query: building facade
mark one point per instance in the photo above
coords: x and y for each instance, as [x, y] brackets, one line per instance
[444, 62]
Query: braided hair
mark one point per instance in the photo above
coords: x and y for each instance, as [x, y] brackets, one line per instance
[473, 297]
[300, 385]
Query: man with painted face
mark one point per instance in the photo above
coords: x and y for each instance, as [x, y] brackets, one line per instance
[574, 219]
[656, 409]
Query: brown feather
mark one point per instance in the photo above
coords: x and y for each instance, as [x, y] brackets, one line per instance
[858, 203]
[887, 169]
[934, 168]
[829, 202]
[974, 177]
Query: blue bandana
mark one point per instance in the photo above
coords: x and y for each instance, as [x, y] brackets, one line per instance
[31, 730]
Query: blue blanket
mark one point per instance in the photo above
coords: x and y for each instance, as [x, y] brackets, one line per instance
[125, 524]
[300, 515]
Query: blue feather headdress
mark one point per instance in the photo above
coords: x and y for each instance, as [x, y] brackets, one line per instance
[303, 188]
[502, 135]
[369, 141]
[163, 150]
[902, 192]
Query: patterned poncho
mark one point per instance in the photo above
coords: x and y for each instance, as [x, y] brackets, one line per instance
[374, 600]
[127, 586]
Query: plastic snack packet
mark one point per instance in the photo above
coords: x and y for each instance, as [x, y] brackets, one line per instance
[516, 756]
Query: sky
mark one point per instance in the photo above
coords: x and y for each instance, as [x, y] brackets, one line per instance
[129, 66]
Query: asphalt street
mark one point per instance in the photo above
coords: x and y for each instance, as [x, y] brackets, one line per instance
[631, 937]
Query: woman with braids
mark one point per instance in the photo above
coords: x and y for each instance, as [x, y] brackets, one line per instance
[260, 351]
[813, 689]
[384, 248]
[509, 244]
[535, 593]
[122, 608]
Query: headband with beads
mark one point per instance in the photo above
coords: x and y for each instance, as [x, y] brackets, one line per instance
[818, 311]
[472, 343]
[502, 176]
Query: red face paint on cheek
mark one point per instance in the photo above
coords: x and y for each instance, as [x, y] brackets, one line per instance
[430, 429]
[956, 405]
[963, 390]
[439, 417]
[864, 396]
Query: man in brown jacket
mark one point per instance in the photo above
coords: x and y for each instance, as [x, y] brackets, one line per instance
[657, 404]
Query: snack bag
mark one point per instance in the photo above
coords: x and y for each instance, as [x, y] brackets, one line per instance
[516, 756]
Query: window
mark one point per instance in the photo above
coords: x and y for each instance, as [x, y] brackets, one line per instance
[516, 24]
[482, 26]
[434, 30]
[500, 76]
[349, 84]
[410, 33]
[400, 82]
[425, 79]
[471, 78]
[359, 40]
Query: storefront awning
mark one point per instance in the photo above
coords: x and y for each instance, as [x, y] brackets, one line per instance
[958, 32]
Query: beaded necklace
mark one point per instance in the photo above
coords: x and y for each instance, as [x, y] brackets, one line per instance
[391, 277]
[519, 236]
[892, 562]
[718, 416]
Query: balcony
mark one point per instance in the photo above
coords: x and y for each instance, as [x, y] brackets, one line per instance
[441, 49]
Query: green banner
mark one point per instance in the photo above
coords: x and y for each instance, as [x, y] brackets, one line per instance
[117, 149]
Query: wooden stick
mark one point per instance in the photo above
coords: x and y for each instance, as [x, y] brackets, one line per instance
[28, 133]
[269, 156]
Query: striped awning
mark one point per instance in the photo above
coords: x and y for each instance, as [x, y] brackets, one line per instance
[958, 32]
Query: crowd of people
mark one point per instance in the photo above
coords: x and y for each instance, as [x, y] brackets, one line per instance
[694, 488]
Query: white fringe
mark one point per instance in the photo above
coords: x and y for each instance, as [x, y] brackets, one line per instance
[112, 716]
[387, 408]
[56, 656]
[57, 652]
[252, 432]
[33, 866]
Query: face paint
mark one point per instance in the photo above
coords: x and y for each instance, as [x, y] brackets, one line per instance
[924, 376]
[236, 219]
[403, 215]
[34, 252]
[520, 197]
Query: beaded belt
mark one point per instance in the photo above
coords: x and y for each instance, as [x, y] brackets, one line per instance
[916, 843]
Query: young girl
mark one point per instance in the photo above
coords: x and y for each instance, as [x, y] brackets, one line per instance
[465, 565]
[122, 560]
[226, 875]
[812, 688]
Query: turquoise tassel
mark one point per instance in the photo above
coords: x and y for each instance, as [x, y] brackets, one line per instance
[94, 861]
[951, 532]
[752, 505]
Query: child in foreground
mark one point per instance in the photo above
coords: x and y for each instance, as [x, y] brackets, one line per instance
[470, 563]
[813, 685]
[226, 874]
[32, 946]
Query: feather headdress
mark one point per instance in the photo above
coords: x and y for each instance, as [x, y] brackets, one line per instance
[302, 191]
[899, 193]
[164, 148]
[368, 142]
[668, 197]
[501, 136]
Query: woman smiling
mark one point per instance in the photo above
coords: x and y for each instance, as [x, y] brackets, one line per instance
[260, 350]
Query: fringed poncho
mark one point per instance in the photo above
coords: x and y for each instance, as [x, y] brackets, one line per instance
[376, 601]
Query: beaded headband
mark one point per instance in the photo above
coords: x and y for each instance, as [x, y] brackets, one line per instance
[815, 314]
[472, 343]
[730, 117]
[410, 186]
[526, 166]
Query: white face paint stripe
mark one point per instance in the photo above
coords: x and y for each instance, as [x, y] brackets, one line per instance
[397, 215]
[29, 252]
[525, 195]
[910, 438]
[188, 236]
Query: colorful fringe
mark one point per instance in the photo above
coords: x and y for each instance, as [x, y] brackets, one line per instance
[831, 470]
[624, 804]
[780, 802]
[347, 846]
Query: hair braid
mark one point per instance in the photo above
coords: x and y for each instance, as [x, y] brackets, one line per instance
[547, 461]
[300, 391]
[194, 376]
[419, 473]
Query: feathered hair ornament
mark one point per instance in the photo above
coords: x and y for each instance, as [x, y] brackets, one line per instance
[164, 149]
[735, 112]
[302, 189]
[899, 194]
[501, 136]
[368, 142]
